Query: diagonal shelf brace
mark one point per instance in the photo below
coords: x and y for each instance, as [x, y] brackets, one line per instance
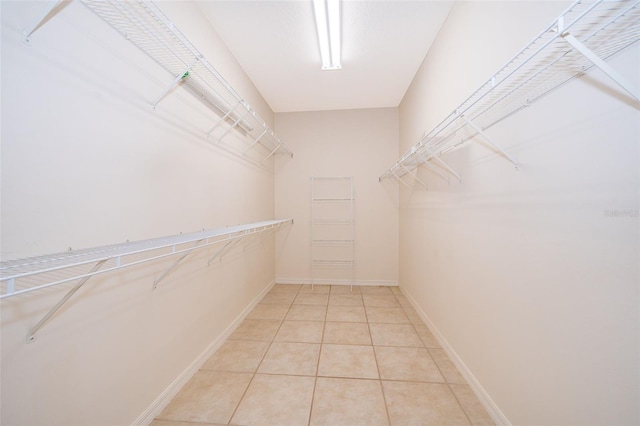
[446, 166]
[433, 169]
[255, 141]
[604, 67]
[51, 12]
[233, 126]
[224, 117]
[31, 333]
[175, 264]
[173, 84]
[225, 249]
[271, 153]
[415, 176]
[488, 139]
[399, 179]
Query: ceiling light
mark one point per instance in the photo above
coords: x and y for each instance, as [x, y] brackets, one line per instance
[328, 24]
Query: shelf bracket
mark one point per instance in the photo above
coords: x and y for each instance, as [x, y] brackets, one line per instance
[446, 166]
[399, 179]
[432, 169]
[415, 176]
[173, 84]
[233, 126]
[50, 13]
[255, 141]
[271, 153]
[488, 139]
[604, 67]
[224, 250]
[31, 334]
[175, 265]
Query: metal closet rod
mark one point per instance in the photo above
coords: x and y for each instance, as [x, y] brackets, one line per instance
[585, 34]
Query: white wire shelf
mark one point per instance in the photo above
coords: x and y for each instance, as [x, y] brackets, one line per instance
[26, 275]
[145, 25]
[586, 34]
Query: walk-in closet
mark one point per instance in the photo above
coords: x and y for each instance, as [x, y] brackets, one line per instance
[319, 212]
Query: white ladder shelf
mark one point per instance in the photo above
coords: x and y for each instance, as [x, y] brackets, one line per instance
[332, 230]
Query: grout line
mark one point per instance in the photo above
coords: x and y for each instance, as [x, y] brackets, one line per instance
[375, 358]
[261, 360]
[459, 404]
[315, 382]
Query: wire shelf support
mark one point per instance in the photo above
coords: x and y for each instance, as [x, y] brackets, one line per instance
[22, 276]
[147, 27]
[584, 36]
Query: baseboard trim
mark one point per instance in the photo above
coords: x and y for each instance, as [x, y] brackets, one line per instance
[321, 281]
[172, 390]
[489, 404]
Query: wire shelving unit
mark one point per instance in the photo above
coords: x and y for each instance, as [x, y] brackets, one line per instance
[584, 36]
[22, 276]
[145, 25]
[332, 230]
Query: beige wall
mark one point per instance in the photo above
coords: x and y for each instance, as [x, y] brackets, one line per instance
[356, 143]
[522, 274]
[87, 162]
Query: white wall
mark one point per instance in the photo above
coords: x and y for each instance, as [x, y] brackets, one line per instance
[87, 162]
[356, 143]
[525, 276]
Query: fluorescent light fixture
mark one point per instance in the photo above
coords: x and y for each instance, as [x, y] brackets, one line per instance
[328, 24]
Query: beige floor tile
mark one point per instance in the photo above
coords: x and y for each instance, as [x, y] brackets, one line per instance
[404, 302]
[307, 313]
[340, 299]
[279, 297]
[394, 335]
[317, 289]
[296, 359]
[346, 333]
[286, 288]
[408, 364]
[376, 290]
[345, 289]
[158, 422]
[346, 313]
[426, 336]
[347, 361]
[348, 402]
[413, 315]
[386, 315]
[268, 311]
[447, 368]
[300, 332]
[209, 397]
[250, 329]
[471, 405]
[311, 299]
[238, 356]
[396, 290]
[276, 400]
[389, 301]
[413, 403]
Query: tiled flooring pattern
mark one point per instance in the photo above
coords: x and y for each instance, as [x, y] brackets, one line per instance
[328, 356]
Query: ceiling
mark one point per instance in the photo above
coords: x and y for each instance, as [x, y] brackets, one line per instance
[383, 44]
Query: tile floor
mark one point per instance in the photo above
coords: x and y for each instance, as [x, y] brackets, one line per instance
[328, 356]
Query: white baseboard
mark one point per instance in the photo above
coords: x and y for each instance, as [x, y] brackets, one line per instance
[321, 281]
[489, 404]
[172, 390]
